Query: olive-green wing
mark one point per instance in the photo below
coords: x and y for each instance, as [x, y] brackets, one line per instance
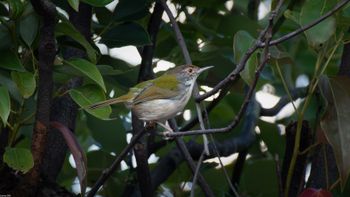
[161, 88]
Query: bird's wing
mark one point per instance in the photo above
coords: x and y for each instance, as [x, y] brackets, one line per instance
[161, 88]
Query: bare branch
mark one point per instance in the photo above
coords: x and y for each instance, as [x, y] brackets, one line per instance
[180, 39]
[295, 94]
[240, 66]
[308, 26]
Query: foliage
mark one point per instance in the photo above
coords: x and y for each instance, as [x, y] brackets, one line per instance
[217, 33]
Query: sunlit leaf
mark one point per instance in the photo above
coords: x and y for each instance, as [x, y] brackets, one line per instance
[77, 152]
[87, 95]
[20, 159]
[16, 8]
[336, 121]
[5, 105]
[74, 4]
[88, 69]
[25, 82]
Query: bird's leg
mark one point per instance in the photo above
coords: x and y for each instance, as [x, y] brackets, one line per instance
[167, 129]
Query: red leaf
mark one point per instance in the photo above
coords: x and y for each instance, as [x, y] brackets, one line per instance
[77, 152]
[312, 192]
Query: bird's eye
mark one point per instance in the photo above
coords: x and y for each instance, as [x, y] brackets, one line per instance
[190, 70]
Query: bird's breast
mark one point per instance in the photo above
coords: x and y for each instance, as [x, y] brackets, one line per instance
[161, 109]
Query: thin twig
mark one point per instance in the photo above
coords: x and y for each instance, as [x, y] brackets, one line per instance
[178, 34]
[265, 35]
[236, 119]
[109, 171]
[182, 146]
[232, 188]
[308, 26]
[284, 100]
[199, 162]
[240, 66]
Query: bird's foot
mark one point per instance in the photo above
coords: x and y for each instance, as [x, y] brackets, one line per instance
[167, 130]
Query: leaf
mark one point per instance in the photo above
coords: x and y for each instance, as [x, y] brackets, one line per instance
[88, 95]
[130, 10]
[77, 152]
[292, 15]
[5, 105]
[18, 159]
[97, 3]
[109, 133]
[126, 34]
[5, 38]
[336, 121]
[89, 70]
[66, 28]
[320, 33]
[241, 43]
[28, 28]
[74, 4]
[16, 8]
[25, 82]
[254, 180]
[9, 60]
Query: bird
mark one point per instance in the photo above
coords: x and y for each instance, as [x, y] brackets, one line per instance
[162, 98]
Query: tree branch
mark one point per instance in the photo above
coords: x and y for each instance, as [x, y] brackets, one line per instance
[308, 26]
[240, 66]
[47, 53]
[64, 109]
[168, 164]
[180, 39]
[284, 100]
[146, 73]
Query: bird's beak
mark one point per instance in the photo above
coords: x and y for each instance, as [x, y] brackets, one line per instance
[204, 69]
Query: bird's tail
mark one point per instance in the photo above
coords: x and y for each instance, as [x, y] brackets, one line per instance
[106, 103]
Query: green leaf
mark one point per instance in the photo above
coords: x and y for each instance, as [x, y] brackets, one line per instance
[5, 37]
[25, 82]
[18, 159]
[88, 69]
[88, 95]
[126, 34]
[9, 60]
[130, 10]
[336, 121]
[66, 28]
[5, 105]
[97, 3]
[74, 4]
[28, 28]
[320, 33]
[241, 43]
[109, 133]
[16, 8]
[259, 178]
